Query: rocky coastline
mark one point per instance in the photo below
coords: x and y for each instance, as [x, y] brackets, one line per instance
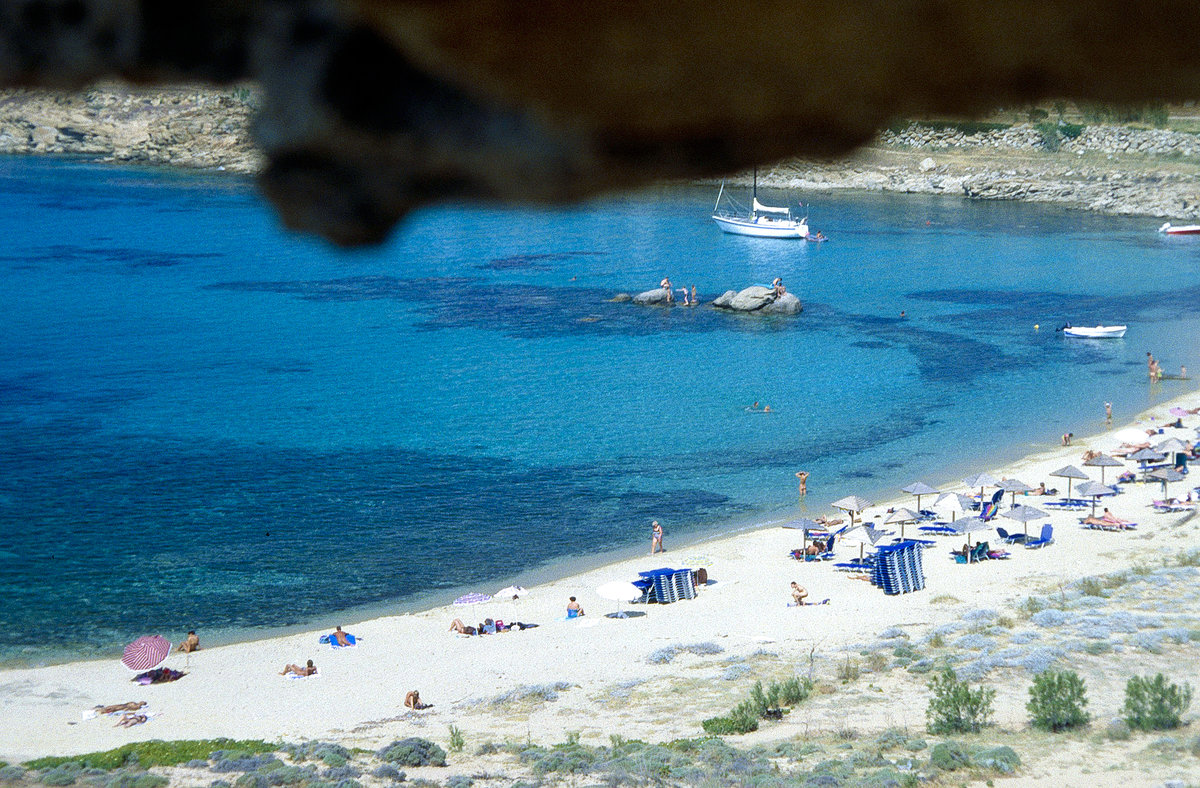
[1100, 168]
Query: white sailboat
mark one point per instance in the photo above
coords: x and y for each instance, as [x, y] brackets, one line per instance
[761, 221]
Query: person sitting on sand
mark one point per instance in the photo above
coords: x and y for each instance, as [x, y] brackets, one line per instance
[190, 643]
[1089, 455]
[308, 670]
[1040, 490]
[799, 594]
[458, 626]
[574, 609]
[132, 705]
[339, 637]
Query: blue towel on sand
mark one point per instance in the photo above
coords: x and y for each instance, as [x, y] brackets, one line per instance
[329, 639]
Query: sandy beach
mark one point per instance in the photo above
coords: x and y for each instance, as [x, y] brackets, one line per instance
[656, 675]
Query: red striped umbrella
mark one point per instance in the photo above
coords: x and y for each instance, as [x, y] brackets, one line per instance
[146, 652]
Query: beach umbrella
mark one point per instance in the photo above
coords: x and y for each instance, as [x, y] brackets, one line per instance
[963, 502]
[1131, 435]
[918, 489]
[1070, 473]
[1094, 490]
[864, 535]
[852, 505]
[473, 598]
[1024, 515]
[619, 591]
[1166, 475]
[1103, 461]
[146, 653]
[1014, 486]
[1172, 445]
[511, 592]
[981, 480]
[970, 525]
[903, 516]
[804, 524]
[1146, 455]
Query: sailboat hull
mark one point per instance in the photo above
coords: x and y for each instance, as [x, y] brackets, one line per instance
[762, 227]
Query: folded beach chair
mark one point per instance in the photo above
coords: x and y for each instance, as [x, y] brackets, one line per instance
[1046, 538]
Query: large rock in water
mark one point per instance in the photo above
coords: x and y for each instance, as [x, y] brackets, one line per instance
[651, 297]
[758, 299]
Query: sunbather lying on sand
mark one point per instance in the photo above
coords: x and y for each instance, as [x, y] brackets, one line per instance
[825, 521]
[132, 705]
[296, 670]
[131, 719]
[458, 626]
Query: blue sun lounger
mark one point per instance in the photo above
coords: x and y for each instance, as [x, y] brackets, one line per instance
[1046, 538]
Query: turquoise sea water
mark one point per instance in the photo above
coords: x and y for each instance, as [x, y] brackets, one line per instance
[207, 423]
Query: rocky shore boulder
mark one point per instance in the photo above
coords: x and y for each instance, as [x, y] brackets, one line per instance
[651, 297]
[760, 300]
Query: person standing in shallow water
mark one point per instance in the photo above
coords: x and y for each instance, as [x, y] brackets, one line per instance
[656, 537]
[1108, 412]
[803, 477]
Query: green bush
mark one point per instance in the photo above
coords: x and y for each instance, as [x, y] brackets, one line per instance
[1070, 131]
[1050, 137]
[58, 776]
[413, 751]
[955, 707]
[795, 691]
[1002, 759]
[154, 753]
[1153, 705]
[950, 756]
[1037, 114]
[1056, 701]
[457, 742]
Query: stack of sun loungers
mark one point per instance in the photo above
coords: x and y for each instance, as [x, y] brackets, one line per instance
[666, 585]
[898, 568]
[938, 529]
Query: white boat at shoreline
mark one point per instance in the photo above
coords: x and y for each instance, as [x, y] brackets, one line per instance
[760, 221]
[1094, 332]
[1180, 229]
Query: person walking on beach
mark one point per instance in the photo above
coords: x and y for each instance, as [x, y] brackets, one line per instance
[803, 477]
[656, 536]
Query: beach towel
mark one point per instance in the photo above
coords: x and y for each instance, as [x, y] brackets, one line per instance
[298, 676]
[809, 604]
[352, 641]
[158, 676]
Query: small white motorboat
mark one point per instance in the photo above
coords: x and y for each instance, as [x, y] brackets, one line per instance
[1094, 332]
[1180, 229]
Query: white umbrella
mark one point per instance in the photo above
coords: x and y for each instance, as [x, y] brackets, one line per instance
[963, 502]
[864, 535]
[511, 592]
[1133, 435]
[619, 591]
